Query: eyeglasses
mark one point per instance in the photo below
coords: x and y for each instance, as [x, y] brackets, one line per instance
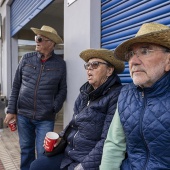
[143, 52]
[94, 64]
[40, 39]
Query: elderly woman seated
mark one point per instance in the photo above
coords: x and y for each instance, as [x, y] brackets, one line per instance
[93, 113]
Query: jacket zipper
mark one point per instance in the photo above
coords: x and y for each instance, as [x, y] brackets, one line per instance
[75, 133]
[141, 119]
[73, 140]
[77, 130]
[73, 137]
[36, 87]
[88, 103]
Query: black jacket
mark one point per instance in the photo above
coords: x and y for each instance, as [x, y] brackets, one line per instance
[93, 113]
[39, 89]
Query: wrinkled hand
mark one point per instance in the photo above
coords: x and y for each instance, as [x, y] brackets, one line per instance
[79, 167]
[10, 117]
[58, 141]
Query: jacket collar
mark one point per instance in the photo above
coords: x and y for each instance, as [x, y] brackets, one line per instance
[159, 87]
[40, 55]
[92, 94]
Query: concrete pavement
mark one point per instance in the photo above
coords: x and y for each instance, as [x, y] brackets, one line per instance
[9, 146]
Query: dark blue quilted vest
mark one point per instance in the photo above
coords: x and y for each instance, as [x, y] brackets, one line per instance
[145, 116]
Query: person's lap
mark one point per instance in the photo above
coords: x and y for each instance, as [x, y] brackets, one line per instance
[47, 163]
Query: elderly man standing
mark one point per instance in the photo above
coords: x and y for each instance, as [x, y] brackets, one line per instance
[141, 125]
[38, 92]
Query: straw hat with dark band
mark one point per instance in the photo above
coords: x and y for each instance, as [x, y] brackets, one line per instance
[150, 33]
[103, 54]
[48, 32]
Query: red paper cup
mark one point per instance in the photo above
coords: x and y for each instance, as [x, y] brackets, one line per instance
[50, 139]
[13, 125]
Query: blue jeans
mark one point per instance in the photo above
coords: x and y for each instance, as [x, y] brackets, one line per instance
[48, 163]
[31, 135]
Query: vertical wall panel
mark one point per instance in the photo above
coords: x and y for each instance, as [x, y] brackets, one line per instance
[121, 19]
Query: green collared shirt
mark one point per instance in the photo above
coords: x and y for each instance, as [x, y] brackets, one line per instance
[114, 146]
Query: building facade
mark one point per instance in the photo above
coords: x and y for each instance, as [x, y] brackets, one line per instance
[81, 23]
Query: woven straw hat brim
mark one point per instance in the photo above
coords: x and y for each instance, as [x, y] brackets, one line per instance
[160, 37]
[103, 54]
[54, 37]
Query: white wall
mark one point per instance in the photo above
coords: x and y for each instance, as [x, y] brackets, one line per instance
[14, 57]
[5, 50]
[81, 31]
[8, 51]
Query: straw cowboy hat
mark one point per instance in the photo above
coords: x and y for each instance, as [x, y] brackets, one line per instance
[150, 33]
[48, 32]
[103, 54]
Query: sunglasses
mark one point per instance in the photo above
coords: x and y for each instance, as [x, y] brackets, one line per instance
[94, 65]
[40, 39]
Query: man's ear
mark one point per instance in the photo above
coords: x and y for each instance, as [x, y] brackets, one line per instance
[110, 71]
[52, 45]
[167, 67]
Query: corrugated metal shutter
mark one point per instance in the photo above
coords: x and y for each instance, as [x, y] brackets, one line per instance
[121, 19]
[22, 11]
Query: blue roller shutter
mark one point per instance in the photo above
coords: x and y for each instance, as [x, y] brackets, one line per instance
[22, 11]
[121, 19]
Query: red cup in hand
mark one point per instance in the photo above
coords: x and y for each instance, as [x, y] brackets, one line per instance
[13, 126]
[50, 140]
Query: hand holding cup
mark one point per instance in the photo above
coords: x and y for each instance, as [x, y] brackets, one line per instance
[13, 125]
[50, 141]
